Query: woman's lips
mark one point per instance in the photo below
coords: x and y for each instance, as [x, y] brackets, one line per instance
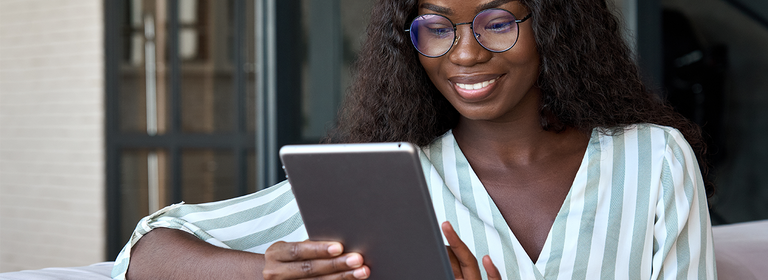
[471, 90]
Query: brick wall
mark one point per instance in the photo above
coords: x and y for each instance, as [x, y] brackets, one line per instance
[52, 208]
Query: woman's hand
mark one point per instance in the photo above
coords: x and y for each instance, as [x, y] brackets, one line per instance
[463, 261]
[312, 259]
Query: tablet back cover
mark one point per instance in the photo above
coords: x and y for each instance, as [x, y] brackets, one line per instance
[373, 198]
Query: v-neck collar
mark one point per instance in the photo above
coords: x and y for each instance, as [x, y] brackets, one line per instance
[575, 192]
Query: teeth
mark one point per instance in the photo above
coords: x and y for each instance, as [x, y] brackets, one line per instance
[476, 86]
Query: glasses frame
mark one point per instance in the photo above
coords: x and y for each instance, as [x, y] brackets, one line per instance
[456, 37]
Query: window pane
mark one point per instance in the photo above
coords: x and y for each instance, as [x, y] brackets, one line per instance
[207, 175]
[207, 68]
[250, 171]
[249, 66]
[333, 31]
[213, 72]
[143, 186]
[142, 71]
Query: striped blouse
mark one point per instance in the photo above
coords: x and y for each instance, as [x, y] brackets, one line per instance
[636, 210]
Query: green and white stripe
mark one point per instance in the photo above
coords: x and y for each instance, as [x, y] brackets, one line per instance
[636, 210]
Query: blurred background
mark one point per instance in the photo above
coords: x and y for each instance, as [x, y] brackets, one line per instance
[112, 109]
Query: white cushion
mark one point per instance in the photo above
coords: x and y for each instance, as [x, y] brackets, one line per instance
[741, 251]
[97, 271]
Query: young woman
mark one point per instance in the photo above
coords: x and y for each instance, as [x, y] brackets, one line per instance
[548, 157]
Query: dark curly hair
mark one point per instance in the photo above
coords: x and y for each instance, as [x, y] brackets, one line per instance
[587, 77]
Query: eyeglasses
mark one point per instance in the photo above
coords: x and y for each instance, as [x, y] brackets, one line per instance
[434, 35]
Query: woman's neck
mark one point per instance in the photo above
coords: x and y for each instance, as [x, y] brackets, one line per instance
[518, 142]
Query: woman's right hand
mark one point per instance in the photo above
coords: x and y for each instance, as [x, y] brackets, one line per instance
[463, 261]
[312, 259]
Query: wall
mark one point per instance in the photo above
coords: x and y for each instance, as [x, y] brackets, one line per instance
[741, 178]
[51, 134]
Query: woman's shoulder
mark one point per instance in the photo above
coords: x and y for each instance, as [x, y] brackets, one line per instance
[279, 193]
[647, 131]
[650, 141]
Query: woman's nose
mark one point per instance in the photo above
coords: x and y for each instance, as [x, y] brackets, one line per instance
[467, 51]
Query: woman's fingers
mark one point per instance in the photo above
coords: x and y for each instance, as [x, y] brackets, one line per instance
[463, 261]
[490, 269]
[306, 250]
[310, 259]
[317, 267]
[360, 273]
[466, 260]
[454, 264]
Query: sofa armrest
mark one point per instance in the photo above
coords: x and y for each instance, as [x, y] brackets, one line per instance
[97, 271]
[741, 250]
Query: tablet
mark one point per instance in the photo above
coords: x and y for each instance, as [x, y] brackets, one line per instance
[372, 198]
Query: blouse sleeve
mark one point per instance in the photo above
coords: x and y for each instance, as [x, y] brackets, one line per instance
[682, 243]
[249, 223]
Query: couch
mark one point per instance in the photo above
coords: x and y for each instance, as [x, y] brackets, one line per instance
[741, 252]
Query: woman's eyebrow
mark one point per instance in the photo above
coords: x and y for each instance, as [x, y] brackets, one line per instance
[492, 4]
[437, 9]
[450, 12]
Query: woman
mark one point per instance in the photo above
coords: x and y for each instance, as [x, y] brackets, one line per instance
[547, 153]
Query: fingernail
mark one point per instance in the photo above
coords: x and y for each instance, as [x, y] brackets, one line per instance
[334, 249]
[360, 273]
[354, 260]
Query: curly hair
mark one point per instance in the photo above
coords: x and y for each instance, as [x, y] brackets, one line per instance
[588, 80]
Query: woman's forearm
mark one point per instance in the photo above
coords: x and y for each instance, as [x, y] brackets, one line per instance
[173, 254]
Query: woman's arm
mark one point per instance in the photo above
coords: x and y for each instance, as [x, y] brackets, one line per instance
[683, 244]
[232, 239]
[173, 254]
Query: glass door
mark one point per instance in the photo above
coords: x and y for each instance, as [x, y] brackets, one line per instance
[180, 106]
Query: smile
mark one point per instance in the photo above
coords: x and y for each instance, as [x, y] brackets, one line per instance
[479, 85]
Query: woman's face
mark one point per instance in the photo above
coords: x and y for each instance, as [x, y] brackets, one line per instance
[502, 84]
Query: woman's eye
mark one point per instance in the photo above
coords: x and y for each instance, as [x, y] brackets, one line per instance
[499, 26]
[440, 31]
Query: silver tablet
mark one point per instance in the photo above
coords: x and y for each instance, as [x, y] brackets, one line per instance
[373, 199]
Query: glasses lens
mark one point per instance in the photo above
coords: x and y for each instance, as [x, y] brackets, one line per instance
[432, 35]
[495, 29]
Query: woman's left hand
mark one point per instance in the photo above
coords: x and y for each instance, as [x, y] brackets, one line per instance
[463, 261]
